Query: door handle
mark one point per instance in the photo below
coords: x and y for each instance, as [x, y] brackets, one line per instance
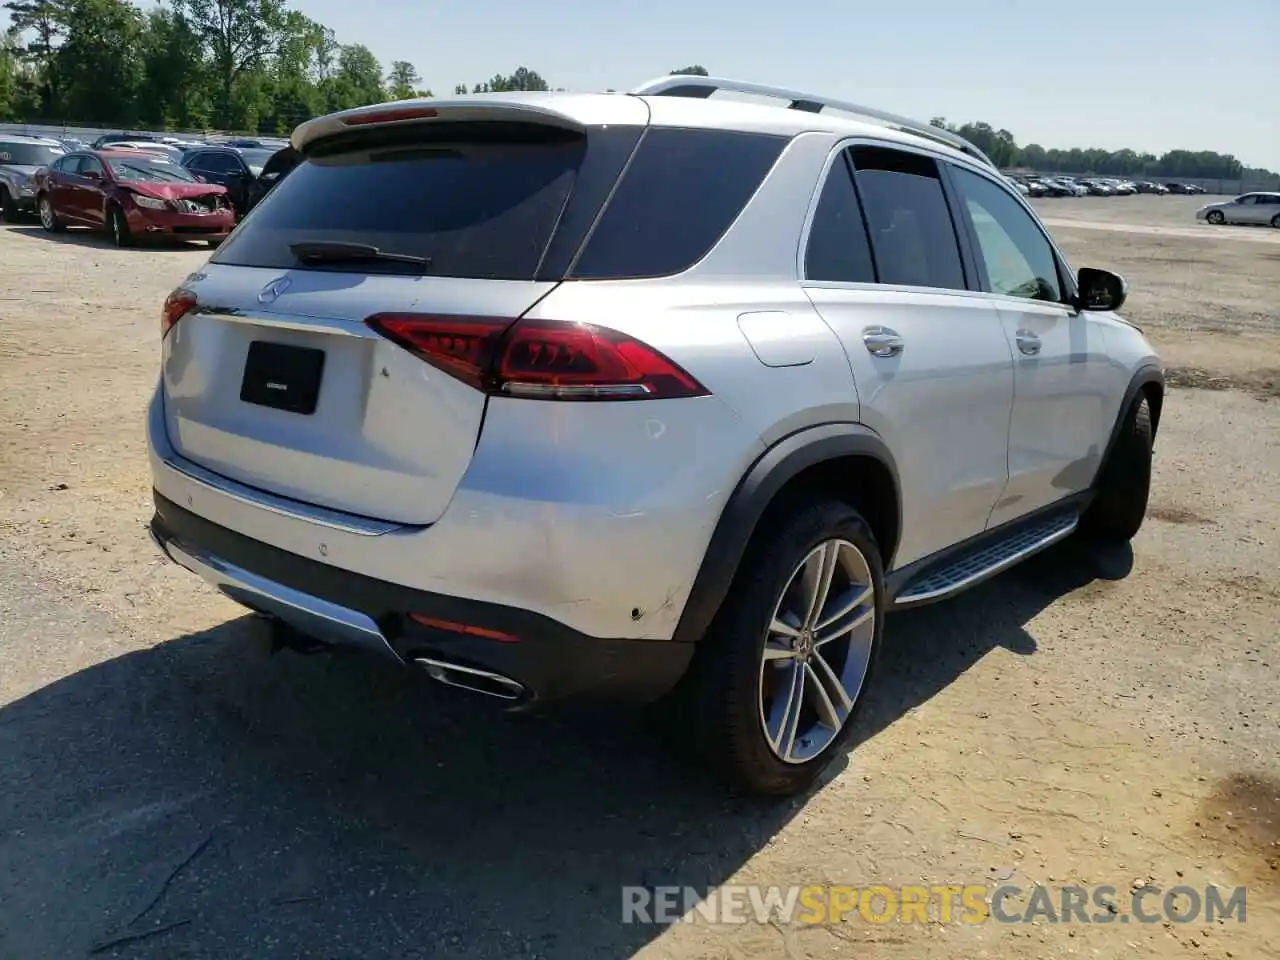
[1027, 342]
[882, 342]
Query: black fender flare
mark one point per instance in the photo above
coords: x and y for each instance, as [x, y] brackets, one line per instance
[1148, 373]
[755, 491]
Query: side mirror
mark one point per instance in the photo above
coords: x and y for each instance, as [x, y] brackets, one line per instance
[1100, 289]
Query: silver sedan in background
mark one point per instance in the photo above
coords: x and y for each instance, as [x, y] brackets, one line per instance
[1246, 208]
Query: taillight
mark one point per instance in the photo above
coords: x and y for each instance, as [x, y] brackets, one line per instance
[176, 306]
[540, 359]
[391, 115]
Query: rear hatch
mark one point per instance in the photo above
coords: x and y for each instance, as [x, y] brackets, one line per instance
[274, 379]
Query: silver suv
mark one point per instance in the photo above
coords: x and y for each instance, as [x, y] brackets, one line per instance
[657, 396]
[20, 158]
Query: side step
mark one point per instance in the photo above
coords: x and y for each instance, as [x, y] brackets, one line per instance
[984, 559]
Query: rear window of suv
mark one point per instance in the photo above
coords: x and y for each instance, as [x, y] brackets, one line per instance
[506, 201]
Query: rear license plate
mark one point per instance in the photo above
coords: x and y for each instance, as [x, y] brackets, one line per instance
[282, 376]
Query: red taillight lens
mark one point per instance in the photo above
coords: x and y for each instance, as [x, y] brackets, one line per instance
[176, 306]
[391, 116]
[540, 359]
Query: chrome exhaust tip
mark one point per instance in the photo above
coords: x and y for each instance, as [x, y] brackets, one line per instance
[470, 678]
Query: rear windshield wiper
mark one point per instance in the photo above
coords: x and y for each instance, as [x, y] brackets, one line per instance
[339, 251]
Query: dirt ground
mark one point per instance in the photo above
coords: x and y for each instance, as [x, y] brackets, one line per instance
[1085, 719]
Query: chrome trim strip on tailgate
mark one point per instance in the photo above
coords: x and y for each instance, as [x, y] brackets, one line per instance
[309, 615]
[294, 509]
[291, 321]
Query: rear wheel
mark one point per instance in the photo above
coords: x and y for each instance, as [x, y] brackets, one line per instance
[1124, 485]
[8, 208]
[48, 217]
[1215, 217]
[781, 673]
[1275, 221]
[119, 228]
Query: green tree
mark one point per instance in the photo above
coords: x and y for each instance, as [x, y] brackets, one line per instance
[403, 80]
[175, 89]
[460, 89]
[357, 81]
[99, 64]
[240, 35]
[697, 70]
[522, 79]
[43, 24]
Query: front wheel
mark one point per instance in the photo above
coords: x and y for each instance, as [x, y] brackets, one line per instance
[48, 216]
[780, 675]
[119, 227]
[1216, 217]
[1275, 221]
[8, 208]
[1124, 484]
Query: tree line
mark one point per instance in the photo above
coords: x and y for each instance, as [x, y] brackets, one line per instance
[258, 65]
[1003, 149]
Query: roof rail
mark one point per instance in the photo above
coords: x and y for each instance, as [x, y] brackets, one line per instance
[689, 85]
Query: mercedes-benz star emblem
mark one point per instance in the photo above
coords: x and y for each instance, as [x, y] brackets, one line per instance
[272, 290]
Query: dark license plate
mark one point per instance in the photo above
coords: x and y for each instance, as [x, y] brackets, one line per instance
[282, 376]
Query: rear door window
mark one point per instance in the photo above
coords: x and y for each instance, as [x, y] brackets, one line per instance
[678, 197]
[838, 249]
[912, 234]
[477, 199]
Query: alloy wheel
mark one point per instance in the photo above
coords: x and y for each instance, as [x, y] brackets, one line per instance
[817, 651]
[46, 213]
[1215, 216]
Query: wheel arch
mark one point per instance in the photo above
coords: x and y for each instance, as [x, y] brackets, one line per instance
[846, 461]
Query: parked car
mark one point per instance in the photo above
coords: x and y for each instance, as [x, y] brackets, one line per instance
[1097, 188]
[164, 151]
[1148, 186]
[1019, 185]
[21, 158]
[72, 143]
[1036, 188]
[1054, 188]
[1254, 208]
[112, 138]
[559, 417]
[1185, 188]
[1072, 187]
[274, 170]
[234, 169]
[130, 194]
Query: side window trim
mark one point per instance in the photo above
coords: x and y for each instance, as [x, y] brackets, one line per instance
[975, 274]
[1066, 281]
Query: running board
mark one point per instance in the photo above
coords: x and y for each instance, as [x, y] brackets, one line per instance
[972, 566]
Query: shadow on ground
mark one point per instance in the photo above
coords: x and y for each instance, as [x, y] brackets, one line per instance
[84, 237]
[331, 807]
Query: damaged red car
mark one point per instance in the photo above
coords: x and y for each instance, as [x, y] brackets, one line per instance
[131, 194]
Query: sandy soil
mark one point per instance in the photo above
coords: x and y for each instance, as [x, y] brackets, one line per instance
[1084, 719]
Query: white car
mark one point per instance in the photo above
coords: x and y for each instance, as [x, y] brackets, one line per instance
[1248, 208]
[661, 396]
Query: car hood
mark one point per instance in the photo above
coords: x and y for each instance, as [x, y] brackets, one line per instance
[24, 169]
[175, 191]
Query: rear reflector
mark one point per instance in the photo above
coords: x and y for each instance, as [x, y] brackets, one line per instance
[463, 628]
[391, 116]
[176, 306]
[539, 359]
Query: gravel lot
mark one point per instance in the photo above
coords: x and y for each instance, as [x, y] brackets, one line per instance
[1084, 719]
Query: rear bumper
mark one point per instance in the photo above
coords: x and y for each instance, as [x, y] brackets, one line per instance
[550, 661]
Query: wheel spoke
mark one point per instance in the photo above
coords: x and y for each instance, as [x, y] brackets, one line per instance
[832, 686]
[774, 651]
[780, 626]
[827, 711]
[788, 718]
[817, 579]
[855, 597]
[844, 627]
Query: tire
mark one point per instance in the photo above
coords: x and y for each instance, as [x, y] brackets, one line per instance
[1215, 217]
[8, 209]
[118, 226]
[1124, 483]
[48, 216]
[1275, 221]
[736, 717]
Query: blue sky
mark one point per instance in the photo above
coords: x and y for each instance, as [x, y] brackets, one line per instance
[1107, 73]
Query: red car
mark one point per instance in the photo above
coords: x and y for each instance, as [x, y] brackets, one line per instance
[131, 194]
